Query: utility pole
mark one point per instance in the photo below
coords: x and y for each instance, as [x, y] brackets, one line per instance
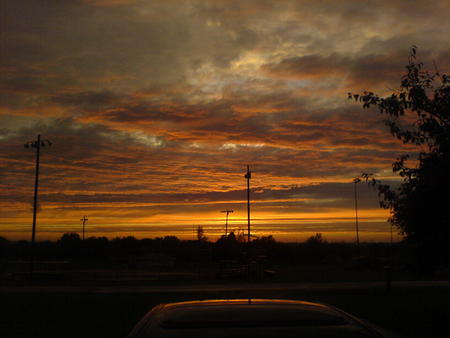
[226, 222]
[248, 176]
[84, 219]
[356, 181]
[37, 145]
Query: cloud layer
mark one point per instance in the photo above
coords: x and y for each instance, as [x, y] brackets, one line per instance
[155, 108]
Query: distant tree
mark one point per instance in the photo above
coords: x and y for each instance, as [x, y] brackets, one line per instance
[317, 239]
[267, 240]
[170, 243]
[418, 113]
[171, 240]
[227, 247]
[70, 244]
[126, 244]
[201, 234]
[230, 238]
[69, 238]
[264, 245]
[4, 243]
[97, 247]
[241, 236]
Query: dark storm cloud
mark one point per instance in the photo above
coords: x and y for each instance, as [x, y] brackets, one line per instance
[370, 71]
[200, 120]
[79, 153]
[311, 198]
[88, 101]
[308, 66]
[155, 44]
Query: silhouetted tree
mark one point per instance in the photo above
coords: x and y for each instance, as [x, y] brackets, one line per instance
[241, 236]
[69, 239]
[125, 244]
[265, 240]
[227, 247]
[315, 249]
[201, 234]
[317, 239]
[4, 243]
[418, 113]
[171, 241]
[96, 247]
[70, 244]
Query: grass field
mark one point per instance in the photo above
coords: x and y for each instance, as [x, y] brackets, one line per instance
[409, 312]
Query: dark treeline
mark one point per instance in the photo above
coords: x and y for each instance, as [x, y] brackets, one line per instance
[71, 247]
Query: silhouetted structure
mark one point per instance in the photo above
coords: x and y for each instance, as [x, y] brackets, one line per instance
[37, 145]
[248, 176]
[356, 181]
[226, 220]
[84, 219]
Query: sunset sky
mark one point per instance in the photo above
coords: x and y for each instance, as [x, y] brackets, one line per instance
[156, 107]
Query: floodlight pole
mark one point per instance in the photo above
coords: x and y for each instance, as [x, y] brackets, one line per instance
[35, 144]
[226, 220]
[248, 176]
[356, 181]
[84, 219]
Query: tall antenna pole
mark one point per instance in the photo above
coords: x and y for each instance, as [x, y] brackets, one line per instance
[84, 219]
[248, 176]
[35, 144]
[226, 222]
[356, 181]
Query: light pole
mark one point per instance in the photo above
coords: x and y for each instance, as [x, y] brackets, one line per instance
[84, 219]
[226, 221]
[248, 176]
[356, 181]
[37, 145]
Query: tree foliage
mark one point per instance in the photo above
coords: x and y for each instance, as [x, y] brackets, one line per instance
[316, 240]
[418, 114]
[201, 234]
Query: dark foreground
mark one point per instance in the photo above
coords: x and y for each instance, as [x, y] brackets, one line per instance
[411, 311]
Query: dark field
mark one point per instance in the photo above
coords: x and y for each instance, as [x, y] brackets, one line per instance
[103, 291]
[411, 312]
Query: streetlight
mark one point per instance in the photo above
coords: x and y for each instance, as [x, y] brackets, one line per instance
[226, 222]
[37, 145]
[356, 181]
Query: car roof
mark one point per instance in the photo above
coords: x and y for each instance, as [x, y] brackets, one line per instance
[244, 301]
[247, 312]
[252, 314]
